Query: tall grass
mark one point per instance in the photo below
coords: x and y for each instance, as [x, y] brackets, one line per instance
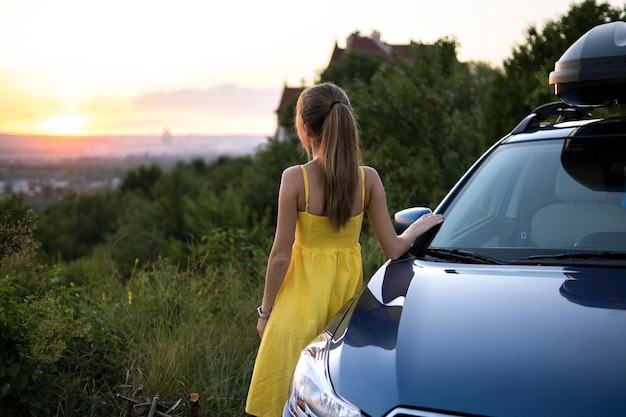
[185, 332]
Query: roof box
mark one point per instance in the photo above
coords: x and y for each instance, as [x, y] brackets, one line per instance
[592, 72]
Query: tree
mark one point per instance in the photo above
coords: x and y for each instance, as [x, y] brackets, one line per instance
[420, 121]
[351, 67]
[523, 83]
[72, 228]
[142, 179]
[262, 176]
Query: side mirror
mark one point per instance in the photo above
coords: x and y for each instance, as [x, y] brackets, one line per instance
[404, 218]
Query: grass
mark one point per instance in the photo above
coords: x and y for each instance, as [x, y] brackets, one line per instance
[185, 333]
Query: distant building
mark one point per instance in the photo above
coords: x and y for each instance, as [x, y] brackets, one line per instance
[372, 44]
[354, 43]
[289, 94]
[166, 137]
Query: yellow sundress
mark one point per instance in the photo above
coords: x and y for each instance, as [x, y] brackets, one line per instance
[325, 272]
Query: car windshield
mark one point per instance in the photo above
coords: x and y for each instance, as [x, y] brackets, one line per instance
[542, 199]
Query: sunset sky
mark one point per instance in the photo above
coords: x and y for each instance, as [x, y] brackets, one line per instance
[208, 67]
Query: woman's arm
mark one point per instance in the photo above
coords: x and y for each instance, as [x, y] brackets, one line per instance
[392, 244]
[280, 255]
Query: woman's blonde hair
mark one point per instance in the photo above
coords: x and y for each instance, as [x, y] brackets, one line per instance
[326, 123]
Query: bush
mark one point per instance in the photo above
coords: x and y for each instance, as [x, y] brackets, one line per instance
[56, 354]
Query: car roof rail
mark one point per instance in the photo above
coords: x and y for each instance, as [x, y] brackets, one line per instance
[563, 110]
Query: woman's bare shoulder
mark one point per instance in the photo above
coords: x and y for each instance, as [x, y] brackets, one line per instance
[370, 174]
[368, 168]
[292, 177]
[292, 171]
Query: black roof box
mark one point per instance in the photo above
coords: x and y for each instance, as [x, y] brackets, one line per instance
[592, 72]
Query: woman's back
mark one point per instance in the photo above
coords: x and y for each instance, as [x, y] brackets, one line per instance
[315, 230]
[316, 192]
[324, 272]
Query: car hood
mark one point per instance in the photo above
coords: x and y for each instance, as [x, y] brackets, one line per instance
[485, 340]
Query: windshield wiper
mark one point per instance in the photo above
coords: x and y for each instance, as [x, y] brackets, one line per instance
[571, 257]
[456, 255]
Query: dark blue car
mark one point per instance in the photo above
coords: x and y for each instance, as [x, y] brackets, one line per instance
[516, 304]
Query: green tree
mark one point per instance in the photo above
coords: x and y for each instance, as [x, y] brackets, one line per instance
[139, 235]
[152, 217]
[14, 205]
[72, 228]
[352, 67]
[419, 122]
[522, 84]
[226, 172]
[141, 179]
[262, 176]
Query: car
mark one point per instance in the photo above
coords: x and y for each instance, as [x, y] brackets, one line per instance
[516, 304]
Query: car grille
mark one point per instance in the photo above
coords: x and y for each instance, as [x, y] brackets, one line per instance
[406, 412]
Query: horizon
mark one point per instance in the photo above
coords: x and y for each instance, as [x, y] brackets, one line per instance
[27, 147]
[143, 135]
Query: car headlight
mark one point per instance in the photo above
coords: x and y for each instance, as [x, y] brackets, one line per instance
[311, 393]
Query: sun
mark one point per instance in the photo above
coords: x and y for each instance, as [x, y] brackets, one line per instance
[65, 124]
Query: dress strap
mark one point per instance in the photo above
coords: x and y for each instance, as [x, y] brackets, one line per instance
[362, 188]
[306, 188]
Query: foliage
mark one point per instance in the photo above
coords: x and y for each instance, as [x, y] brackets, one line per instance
[523, 83]
[353, 67]
[72, 227]
[14, 206]
[262, 176]
[49, 344]
[18, 247]
[141, 180]
[62, 350]
[419, 122]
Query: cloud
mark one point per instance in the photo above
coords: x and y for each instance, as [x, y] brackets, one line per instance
[224, 99]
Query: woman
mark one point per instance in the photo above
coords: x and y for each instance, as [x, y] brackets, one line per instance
[315, 265]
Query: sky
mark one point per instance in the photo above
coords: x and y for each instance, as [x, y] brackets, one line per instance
[115, 67]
